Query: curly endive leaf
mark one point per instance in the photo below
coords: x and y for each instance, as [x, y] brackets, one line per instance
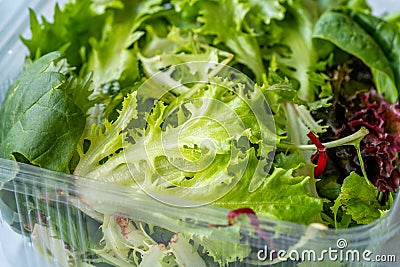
[105, 142]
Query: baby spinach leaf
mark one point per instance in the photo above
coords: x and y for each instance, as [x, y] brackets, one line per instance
[386, 35]
[38, 120]
[349, 36]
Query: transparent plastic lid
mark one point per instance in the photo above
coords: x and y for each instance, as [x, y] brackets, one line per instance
[65, 220]
[38, 191]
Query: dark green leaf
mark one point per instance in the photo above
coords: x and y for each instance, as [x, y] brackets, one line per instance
[349, 36]
[386, 35]
[38, 121]
[70, 30]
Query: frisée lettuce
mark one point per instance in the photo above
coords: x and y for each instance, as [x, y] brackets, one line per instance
[235, 104]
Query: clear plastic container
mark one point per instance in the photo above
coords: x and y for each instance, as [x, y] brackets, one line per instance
[34, 190]
[57, 194]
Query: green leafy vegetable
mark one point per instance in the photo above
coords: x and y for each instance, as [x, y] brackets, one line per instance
[139, 94]
[358, 199]
[210, 167]
[41, 124]
[227, 30]
[388, 38]
[281, 196]
[353, 39]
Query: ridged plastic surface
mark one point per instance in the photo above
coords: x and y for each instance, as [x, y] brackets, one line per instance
[60, 194]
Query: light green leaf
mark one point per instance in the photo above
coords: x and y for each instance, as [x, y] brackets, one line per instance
[184, 252]
[105, 141]
[227, 29]
[268, 10]
[296, 36]
[281, 196]
[111, 57]
[358, 199]
[225, 250]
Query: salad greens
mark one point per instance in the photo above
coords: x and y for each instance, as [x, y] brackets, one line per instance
[302, 127]
[364, 46]
[42, 122]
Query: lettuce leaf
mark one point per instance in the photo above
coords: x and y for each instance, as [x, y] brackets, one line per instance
[227, 30]
[204, 142]
[358, 199]
[69, 32]
[282, 195]
[198, 146]
[222, 251]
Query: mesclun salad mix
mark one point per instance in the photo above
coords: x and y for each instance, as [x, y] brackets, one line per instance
[329, 73]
